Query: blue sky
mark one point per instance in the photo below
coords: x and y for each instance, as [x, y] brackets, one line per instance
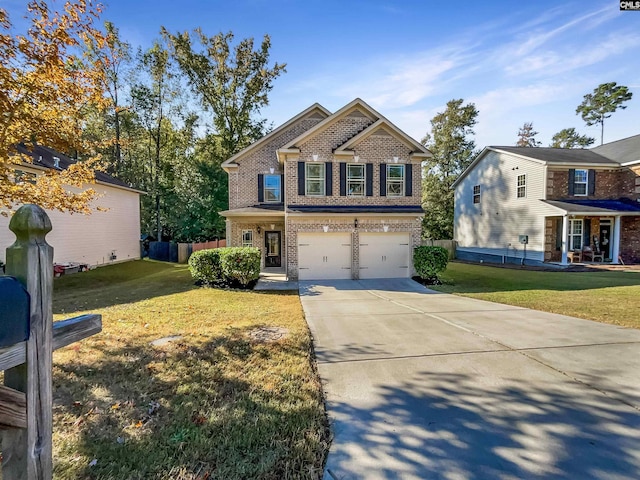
[517, 61]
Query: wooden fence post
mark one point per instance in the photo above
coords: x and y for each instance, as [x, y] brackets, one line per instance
[27, 453]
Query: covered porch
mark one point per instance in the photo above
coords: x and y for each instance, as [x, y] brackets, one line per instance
[593, 231]
[262, 227]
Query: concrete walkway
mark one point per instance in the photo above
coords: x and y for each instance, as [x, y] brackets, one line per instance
[274, 279]
[422, 385]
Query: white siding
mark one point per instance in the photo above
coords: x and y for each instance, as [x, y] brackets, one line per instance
[500, 217]
[91, 238]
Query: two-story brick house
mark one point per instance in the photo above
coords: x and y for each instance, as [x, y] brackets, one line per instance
[560, 200]
[329, 195]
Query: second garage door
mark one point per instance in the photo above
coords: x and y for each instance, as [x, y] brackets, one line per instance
[324, 256]
[385, 255]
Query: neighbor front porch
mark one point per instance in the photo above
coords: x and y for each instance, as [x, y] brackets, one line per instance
[601, 231]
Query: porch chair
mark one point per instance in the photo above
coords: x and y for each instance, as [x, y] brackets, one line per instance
[589, 254]
[574, 256]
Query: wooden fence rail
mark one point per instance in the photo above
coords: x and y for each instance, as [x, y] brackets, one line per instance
[26, 416]
[450, 245]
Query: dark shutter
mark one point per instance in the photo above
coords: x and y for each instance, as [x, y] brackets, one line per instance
[408, 180]
[260, 188]
[586, 233]
[383, 179]
[300, 178]
[328, 179]
[369, 179]
[343, 179]
[572, 180]
[592, 182]
[282, 188]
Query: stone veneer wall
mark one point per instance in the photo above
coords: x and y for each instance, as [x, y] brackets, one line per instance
[346, 224]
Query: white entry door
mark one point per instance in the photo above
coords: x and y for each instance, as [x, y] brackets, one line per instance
[324, 256]
[385, 255]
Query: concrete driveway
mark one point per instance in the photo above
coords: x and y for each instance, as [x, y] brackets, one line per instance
[423, 385]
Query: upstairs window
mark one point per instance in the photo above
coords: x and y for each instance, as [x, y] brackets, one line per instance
[580, 181]
[356, 180]
[522, 186]
[395, 180]
[476, 194]
[314, 179]
[272, 189]
[247, 238]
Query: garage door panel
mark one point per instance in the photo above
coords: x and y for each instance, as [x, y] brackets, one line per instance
[385, 255]
[324, 256]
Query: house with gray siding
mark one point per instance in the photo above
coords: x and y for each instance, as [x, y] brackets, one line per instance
[548, 205]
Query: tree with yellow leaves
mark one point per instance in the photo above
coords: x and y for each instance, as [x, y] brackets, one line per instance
[45, 83]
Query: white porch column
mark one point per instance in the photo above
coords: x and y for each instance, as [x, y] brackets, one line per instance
[615, 239]
[565, 238]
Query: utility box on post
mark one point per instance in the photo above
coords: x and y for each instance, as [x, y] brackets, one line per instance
[14, 312]
[523, 239]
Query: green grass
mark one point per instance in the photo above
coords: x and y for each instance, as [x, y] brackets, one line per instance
[604, 296]
[215, 404]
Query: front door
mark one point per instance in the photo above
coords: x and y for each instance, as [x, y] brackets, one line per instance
[272, 257]
[605, 240]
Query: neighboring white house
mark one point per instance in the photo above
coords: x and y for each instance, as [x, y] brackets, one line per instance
[100, 238]
[557, 200]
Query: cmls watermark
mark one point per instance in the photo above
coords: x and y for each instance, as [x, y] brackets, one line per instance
[630, 5]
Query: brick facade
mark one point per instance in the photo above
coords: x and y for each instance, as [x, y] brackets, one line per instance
[609, 184]
[623, 182]
[346, 224]
[382, 146]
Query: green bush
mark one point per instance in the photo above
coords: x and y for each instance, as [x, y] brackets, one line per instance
[240, 264]
[205, 266]
[430, 261]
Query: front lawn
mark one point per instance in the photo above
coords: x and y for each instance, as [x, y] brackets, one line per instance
[230, 399]
[610, 297]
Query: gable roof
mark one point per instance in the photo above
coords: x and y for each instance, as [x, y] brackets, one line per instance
[356, 104]
[385, 125]
[44, 158]
[315, 108]
[545, 156]
[624, 151]
[550, 155]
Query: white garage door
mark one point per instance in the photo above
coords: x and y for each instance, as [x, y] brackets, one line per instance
[385, 255]
[324, 256]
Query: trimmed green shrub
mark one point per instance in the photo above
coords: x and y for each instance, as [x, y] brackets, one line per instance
[430, 261]
[240, 264]
[205, 267]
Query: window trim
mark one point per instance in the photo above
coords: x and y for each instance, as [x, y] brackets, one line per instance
[268, 189]
[477, 195]
[522, 187]
[396, 181]
[245, 243]
[361, 181]
[573, 236]
[585, 183]
[320, 179]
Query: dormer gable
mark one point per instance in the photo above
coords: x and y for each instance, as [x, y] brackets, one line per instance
[315, 112]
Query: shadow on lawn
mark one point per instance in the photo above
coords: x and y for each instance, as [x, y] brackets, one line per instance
[445, 425]
[175, 412]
